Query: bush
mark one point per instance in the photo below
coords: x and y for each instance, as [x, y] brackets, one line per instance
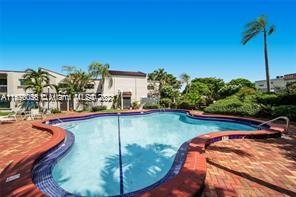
[267, 99]
[234, 106]
[244, 92]
[55, 111]
[185, 104]
[173, 105]
[276, 99]
[135, 105]
[284, 110]
[165, 102]
[98, 108]
[286, 99]
[151, 106]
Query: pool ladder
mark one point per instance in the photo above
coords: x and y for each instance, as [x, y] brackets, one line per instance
[60, 120]
[277, 118]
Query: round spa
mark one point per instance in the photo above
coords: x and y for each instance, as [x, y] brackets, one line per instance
[126, 154]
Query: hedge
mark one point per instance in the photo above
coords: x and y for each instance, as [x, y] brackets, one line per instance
[234, 106]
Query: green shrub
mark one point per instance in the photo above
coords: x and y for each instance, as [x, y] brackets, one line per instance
[185, 104]
[55, 111]
[174, 105]
[135, 105]
[291, 87]
[165, 102]
[98, 108]
[234, 106]
[267, 99]
[151, 106]
[245, 92]
[284, 110]
[286, 99]
[276, 99]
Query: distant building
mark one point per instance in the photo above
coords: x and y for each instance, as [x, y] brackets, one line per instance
[277, 84]
[132, 86]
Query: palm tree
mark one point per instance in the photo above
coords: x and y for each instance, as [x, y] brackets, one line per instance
[36, 81]
[185, 79]
[75, 82]
[260, 25]
[69, 69]
[97, 69]
[159, 75]
[58, 89]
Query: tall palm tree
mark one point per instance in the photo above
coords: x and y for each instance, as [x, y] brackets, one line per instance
[185, 79]
[260, 25]
[97, 69]
[36, 81]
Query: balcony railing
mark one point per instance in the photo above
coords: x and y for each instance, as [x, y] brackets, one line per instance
[3, 88]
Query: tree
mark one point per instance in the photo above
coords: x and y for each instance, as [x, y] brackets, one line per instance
[76, 82]
[242, 83]
[36, 81]
[158, 75]
[172, 81]
[97, 69]
[185, 79]
[199, 88]
[164, 78]
[252, 29]
[57, 88]
[214, 85]
[291, 87]
[234, 86]
[69, 69]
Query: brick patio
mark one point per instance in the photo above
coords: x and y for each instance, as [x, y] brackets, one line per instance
[252, 167]
[234, 168]
[19, 139]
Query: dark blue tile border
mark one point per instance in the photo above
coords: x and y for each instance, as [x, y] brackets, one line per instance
[42, 171]
[120, 157]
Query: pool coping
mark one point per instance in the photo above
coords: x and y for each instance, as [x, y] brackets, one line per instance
[189, 181]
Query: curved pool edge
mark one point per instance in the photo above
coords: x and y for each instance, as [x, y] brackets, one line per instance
[187, 182]
[22, 165]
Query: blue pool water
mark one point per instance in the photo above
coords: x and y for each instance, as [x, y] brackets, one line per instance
[148, 145]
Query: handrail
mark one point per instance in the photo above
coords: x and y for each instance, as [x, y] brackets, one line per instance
[60, 120]
[277, 118]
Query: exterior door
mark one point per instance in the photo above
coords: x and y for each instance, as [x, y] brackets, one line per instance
[126, 102]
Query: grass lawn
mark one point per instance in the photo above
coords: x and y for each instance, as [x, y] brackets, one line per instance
[4, 113]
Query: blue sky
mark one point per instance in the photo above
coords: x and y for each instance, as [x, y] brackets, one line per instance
[200, 37]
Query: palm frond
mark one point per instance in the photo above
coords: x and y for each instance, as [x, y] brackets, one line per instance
[271, 29]
[246, 38]
[262, 20]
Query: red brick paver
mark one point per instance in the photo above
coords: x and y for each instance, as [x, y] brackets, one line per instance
[241, 171]
[19, 138]
[264, 167]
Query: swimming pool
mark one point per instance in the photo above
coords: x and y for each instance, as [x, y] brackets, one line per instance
[125, 154]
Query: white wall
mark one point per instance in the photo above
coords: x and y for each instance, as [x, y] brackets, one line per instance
[136, 85]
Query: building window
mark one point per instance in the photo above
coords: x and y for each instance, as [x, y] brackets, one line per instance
[150, 87]
[90, 86]
[22, 82]
[261, 85]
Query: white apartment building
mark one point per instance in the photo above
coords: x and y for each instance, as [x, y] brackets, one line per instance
[277, 84]
[132, 86]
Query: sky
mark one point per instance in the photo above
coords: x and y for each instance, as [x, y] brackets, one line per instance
[201, 37]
